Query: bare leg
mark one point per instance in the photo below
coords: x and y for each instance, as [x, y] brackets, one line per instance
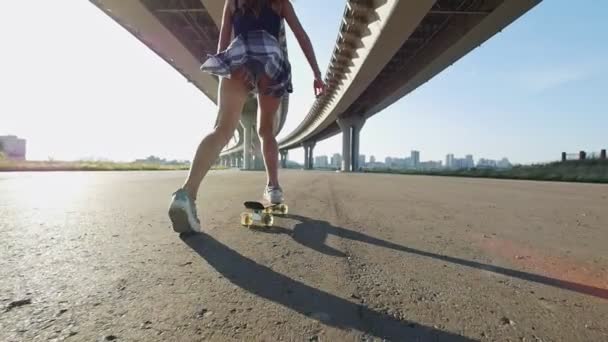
[232, 96]
[268, 106]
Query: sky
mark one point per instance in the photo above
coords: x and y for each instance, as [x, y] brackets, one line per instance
[77, 85]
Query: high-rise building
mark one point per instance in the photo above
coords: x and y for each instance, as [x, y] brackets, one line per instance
[362, 160]
[449, 161]
[469, 161]
[504, 163]
[336, 160]
[13, 147]
[430, 165]
[372, 160]
[415, 159]
[321, 162]
[483, 163]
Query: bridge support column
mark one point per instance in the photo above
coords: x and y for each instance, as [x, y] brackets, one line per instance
[247, 121]
[351, 129]
[233, 158]
[258, 163]
[238, 160]
[346, 135]
[357, 126]
[309, 155]
[283, 155]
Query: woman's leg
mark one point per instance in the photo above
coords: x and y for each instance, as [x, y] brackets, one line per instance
[232, 96]
[267, 108]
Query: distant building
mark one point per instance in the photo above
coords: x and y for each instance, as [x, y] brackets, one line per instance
[470, 163]
[406, 163]
[13, 147]
[362, 160]
[394, 163]
[453, 163]
[449, 161]
[376, 165]
[504, 163]
[483, 163]
[336, 160]
[372, 160]
[321, 162]
[461, 163]
[414, 159]
[430, 165]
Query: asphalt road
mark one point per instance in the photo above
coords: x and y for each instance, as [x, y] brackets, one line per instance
[91, 256]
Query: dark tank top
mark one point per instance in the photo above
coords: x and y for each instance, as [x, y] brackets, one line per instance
[246, 21]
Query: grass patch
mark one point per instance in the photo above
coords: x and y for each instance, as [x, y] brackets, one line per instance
[6, 165]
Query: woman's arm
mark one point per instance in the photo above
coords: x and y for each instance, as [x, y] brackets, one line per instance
[226, 29]
[296, 27]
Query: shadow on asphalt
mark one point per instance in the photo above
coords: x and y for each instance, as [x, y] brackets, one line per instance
[312, 233]
[314, 303]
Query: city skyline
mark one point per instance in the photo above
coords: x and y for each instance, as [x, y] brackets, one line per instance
[414, 161]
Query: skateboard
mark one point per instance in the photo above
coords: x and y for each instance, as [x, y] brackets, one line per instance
[262, 211]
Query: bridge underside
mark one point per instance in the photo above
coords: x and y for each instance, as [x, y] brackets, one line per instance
[447, 33]
[449, 30]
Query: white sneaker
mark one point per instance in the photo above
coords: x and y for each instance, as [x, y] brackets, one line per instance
[182, 212]
[273, 194]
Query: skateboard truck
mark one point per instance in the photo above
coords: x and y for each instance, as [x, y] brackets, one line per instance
[262, 212]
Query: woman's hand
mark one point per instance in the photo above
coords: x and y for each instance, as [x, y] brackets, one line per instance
[319, 86]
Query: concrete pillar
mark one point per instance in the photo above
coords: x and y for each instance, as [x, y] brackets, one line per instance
[346, 146]
[351, 129]
[239, 160]
[563, 156]
[309, 155]
[603, 154]
[247, 121]
[283, 155]
[356, 130]
[582, 155]
[258, 163]
[306, 155]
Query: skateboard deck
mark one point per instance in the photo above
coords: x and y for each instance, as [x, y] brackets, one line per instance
[262, 212]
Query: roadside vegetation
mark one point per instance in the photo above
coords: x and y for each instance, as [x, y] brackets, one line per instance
[589, 171]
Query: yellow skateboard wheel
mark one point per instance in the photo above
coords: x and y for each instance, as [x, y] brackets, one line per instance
[246, 219]
[267, 219]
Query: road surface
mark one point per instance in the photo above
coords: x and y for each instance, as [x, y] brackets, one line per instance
[91, 257]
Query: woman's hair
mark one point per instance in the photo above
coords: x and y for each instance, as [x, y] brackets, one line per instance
[256, 5]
